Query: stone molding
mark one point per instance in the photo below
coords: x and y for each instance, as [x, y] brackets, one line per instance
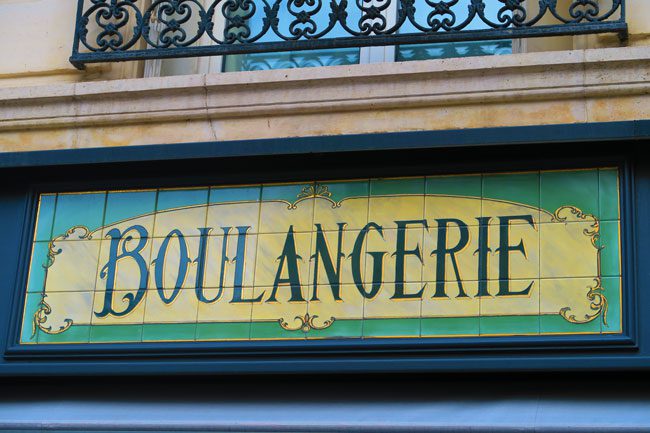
[510, 79]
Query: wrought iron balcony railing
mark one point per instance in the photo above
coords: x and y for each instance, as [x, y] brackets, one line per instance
[119, 30]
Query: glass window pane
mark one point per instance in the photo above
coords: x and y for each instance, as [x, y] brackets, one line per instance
[455, 18]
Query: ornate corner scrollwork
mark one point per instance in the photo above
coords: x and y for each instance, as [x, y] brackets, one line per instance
[598, 301]
[306, 323]
[44, 309]
[41, 316]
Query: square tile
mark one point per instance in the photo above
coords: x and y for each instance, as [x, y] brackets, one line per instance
[509, 325]
[511, 298]
[233, 217]
[171, 306]
[227, 304]
[181, 209]
[566, 250]
[119, 301]
[130, 271]
[460, 254]
[391, 328]
[515, 251]
[78, 209]
[520, 188]
[614, 318]
[397, 186]
[351, 213]
[126, 208]
[45, 217]
[568, 299]
[383, 263]
[450, 327]
[610, 254]
[277, 320]
[223, 331]
[272, 264]
[352, 261]
[287, 206]
[381, 210]
[173, 262]
[74, 268]
[451, 305]
[116, 333]
[171, 332]
[608, 194]
[233, 256]
[577, 188]
[235, 194]
[37, 267]
[459, 186]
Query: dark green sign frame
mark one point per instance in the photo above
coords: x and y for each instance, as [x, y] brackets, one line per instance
[375, 155]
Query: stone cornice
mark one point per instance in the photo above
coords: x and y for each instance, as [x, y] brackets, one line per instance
[581, 74]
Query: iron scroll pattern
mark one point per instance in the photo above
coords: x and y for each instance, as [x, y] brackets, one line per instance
[118, 30]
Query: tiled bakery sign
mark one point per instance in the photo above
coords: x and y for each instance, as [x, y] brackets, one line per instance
[531, 253]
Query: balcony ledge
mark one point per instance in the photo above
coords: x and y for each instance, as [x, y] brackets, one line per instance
[577, 78]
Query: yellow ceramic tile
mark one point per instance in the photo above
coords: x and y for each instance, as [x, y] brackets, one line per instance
[496, 208]
[278, 216]
[233, 215]
[466, 258]
[146, 221]
[188, 220]
[387, 243]
[451, 306]
[520, 264]
[466, 209]
[382, 306]
[120, 302]
[353, 212]
[572, 293]
[214, 257]
[283, 309]
[74, 267]
[350, 306]
[225, 308]
[182, 308]
[566, 250]
[269, 252]
[169, 262]
[526, 303]
[127, 269]
[75, 306]
[382, 210]
[349, 239]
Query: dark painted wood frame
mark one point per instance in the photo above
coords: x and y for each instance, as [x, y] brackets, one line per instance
[391, 154]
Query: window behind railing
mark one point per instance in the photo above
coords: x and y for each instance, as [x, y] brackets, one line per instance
[268, 34]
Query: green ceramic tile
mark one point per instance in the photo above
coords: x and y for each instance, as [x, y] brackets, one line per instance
[452, 326]
[175, 198]
[32, 302]
[341, 190]
[391, 327]
[556, 324]
[339, 329]
[509, 325]
[85, 209]
[169, 332]
[230, 194]
[286, 192]
[125, 205]
[610, 256]
[612, 291]
[74, 334]
[514, 187]
[608, 194]
[273, 331]
[223, 331]
[467, 186]
[115, 333]
[37, 270]
[574, 188]
[410, 186]
[46, 208]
